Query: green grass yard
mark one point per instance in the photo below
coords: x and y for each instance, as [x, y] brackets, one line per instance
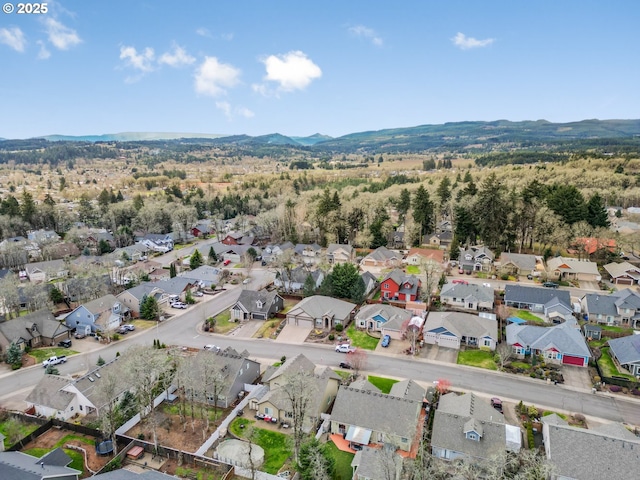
[22, 429]
[384, 384]
[276, 445]
[77, 459]
[41, 354]
[477, 358]
[522, 365]
[413, 270]
[614, 328]
[223, 323]
[609, 368]
[360, 338]
[343, 460]
[527, 315]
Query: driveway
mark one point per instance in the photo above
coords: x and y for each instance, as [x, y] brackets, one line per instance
[576, 377]
[293, 334]
[589, 285]
[247, 329]
[440, 354]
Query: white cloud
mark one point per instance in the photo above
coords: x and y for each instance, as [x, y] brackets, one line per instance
[142, 61]
[203, 32]
[43, 53]
[14, 38]
[366, 32]
[213, 77]
[230, 112]
[178, 58]
[61, 36]
[464, 43]
[292, 71]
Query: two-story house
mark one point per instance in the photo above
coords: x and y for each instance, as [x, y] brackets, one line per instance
[619, 308]
[399, 286]
[35, 329]
[133, 297]
[475, 259]
[103, 314]
[256, 305]
[158, 242]
[338, 253]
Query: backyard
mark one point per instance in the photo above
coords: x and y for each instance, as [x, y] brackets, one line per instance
[276, 445]
[14, 429]
[361, 339]
[413, 270]
[477, 358]
[384, 384]
[343, 470]
[528, 316]
[608, 367]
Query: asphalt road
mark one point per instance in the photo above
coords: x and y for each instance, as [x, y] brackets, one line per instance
[182, 330]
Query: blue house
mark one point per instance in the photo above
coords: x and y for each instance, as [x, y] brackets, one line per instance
[100, 315]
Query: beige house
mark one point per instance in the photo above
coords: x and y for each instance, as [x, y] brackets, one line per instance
[337, 253]
[275, 403]
[563, 268]
[132, 298]
[41, 272]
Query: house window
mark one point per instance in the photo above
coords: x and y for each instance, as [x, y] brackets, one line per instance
[551, 354]
[470, 305]
[386, 286]
[404, 440]
[487, 343]
[80, 407]
[473, 436]
[72, 409]
[267, 411]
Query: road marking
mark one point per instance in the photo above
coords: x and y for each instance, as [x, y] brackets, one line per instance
[196, 336]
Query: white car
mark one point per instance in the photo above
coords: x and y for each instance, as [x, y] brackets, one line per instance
[246, 280]
[345, 348]
[198, 294]
[178, 305]
[212, 348]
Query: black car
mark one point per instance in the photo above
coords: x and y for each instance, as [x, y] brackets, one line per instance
[550, 285]
[65, 343]
[345, 365]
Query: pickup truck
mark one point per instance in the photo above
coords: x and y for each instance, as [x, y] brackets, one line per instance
[54, 360]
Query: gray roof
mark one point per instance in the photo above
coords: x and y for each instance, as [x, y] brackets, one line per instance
[601, 304]
[301, 247]
[142, 290]
[249, 299]
[382, 254]
[228, 363]
[175, 285]
[460, 290]
[604, 452]
[318, 305]
[20, 466]
[48, 392]
[453, 417]
[564, 337]
[335, 246]
[462, 324]
[377, 411]
[124, 474]
[363, 383]
[387, 312]
[627, 298]
[299, 362]
[621, 269]
[535, 295]
[523, 261]
[56, 457]
[102, 304]
[300, 274]
[53, 266]
[408, 389]
[370, 461]
[46, 324]
[204, 273]
[402, 279]
[626, 349]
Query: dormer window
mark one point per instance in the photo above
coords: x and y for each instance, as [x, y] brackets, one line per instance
[473, 436]
[259, 304]
[468, 257]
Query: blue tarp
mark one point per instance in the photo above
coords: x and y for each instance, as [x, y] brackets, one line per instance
[516, 320]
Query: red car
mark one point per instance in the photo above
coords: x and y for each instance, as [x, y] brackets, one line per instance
[226, 262]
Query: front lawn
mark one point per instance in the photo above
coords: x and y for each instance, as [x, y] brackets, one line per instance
[41, 354]
[360, 339]
[477, 358]
[275, 444]
[614, 328]
[413, 270]
[223, 323]
[343, 460]
[608, 367]
[383, 383]
[528, 316]
[522, 365]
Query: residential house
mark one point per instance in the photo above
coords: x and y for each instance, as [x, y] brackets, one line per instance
[232, 238]
[563, 268]
[417, 256]
[396, 238]
[294, 280]
[60, 251]
[375, 316]
[467, 296]
[589, 245]
[52, 465]
[234, 369]
[562, 344]
[256, 305]
[64, 398]
[626, 353]
[475, 259]
[76, 289]
[132, 298]
[234, 253]
[382, 257]
[323, 386]
[40, 272]
[203, 228]
[591, 331]
[94, 238]
[444, 226]
[43, 236]
[320, 312]
[441, 240]
[379, 419]
[604, 451]
[519, 264]
[468, 427]
[376, 464]
[37, 329]
[619, 308]
[204, 276]
[452, 329]
[370, 282]
[536, 299]
[174, 287]
[16, 251]
[623, 273]
[308, 253]
[103, 314]
[399, 286]
[131, 253]
[337, 253]
[158, 242]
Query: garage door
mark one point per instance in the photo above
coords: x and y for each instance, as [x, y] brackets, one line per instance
[300, 322]
[624, 281]
[449, 341]
[571, 360]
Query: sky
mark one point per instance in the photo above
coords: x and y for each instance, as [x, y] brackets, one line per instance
[90, 67]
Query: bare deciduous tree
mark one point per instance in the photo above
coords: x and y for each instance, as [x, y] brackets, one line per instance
[358, 360]
[300, 391]
[109, 389]
[430, 273]
[504, 352]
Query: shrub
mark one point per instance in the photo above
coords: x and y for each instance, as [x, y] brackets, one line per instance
[615, 388]
[141, 436]
[339, 327]
[596, 379]
[331, 336]
[283, 358]
[635, 391]
[532, 411]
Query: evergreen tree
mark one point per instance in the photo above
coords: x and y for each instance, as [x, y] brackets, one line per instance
[28, 207]
[491, 209]
[14, 356]
[315, 461]
[343, 278]
[423, 213]
[104, 199]
[213, 258]
[358, 291]
[444, 191]
[567, 201]
[309, 288]
[376, 229]
[172, 270]
[596, 213]
[149, 308]
[404, 203]
[195, 260]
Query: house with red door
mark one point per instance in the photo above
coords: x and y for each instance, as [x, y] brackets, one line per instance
[399, 286]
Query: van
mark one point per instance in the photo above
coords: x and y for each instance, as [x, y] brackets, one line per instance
[174, 298]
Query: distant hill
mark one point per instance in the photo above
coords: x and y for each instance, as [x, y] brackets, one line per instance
[312, 139]
[128, 137]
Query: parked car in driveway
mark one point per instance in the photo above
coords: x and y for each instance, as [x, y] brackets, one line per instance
[79, 335]
[178, 305]
[129, 327]
[65, 343]
[386, 340]
[497, 404]
[198, 294]
[345, 348]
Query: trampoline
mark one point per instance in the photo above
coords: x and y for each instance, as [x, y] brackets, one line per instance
[105, 448]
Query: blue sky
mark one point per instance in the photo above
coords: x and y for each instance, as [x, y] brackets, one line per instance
[302, 67]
